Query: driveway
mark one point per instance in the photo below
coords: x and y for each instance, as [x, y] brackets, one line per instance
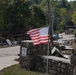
[8, 56]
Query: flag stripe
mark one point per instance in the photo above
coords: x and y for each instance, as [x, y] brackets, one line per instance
[35, 35]
[39, 35]
[33, 30]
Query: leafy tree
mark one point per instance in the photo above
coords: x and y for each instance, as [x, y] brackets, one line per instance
[18, 16]
[35, 1]
[64, 16]
[62, 3]
[74, 18]
[63, 13]
[21, 16]
[60, 27]
[43, 5]
[75, 31]
[73, 5]
[3, 13]
[38, 18]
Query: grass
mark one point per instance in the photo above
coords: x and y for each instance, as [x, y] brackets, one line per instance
[16, 70]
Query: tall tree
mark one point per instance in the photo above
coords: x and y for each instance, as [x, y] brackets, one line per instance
[18, 15]
[38, 18]
[35, 1]
[73, 5]
[63, 16]
[3, 8]
[74, 17]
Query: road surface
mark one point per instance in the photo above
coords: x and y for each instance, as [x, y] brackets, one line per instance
[8, 56]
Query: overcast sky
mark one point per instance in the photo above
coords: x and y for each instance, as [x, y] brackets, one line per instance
[71, 0]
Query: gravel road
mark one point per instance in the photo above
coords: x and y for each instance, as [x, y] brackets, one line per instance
[8, 56]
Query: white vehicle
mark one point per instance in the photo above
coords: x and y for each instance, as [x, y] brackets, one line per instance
[60, 36]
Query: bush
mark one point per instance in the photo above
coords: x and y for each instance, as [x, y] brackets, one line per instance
[74, 32]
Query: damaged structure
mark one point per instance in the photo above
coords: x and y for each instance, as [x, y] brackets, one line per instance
[35, 58]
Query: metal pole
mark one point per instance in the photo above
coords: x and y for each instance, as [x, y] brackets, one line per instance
[50, 24]
[50, 30]
[47, 64]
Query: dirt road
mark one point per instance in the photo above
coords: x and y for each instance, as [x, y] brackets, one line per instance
[8, 56]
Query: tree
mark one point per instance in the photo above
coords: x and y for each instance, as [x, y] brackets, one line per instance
[73, 5]
[35, 1]
[62, 19]
[3, 13]
[74, 18]
[21, 16]
[62, 3]
[18, 16]
[43, 5]
[38, 18]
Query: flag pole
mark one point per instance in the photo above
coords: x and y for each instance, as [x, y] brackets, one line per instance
[50, 19]
[47, 63]
[50, 30]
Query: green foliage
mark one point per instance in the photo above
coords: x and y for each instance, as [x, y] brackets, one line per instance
[43, 5]
[74, 17]
[18, 15]
[60, 27]
[21, 16]
[62, 18]
[73, 5]
[63, 12]
[62, 3]
[35, 1]
[16, 70]
[3, 6]
[75, 31]
[60, 10]
[38, 17]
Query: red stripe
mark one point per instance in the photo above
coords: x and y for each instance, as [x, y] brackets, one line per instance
[44, 38]
[36, 32]
[33, 30]
[37, 38]
[34, 35]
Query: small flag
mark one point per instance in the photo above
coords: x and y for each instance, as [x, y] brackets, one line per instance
[39, 35]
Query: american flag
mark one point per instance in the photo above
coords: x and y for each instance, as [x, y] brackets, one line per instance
[39, 35]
